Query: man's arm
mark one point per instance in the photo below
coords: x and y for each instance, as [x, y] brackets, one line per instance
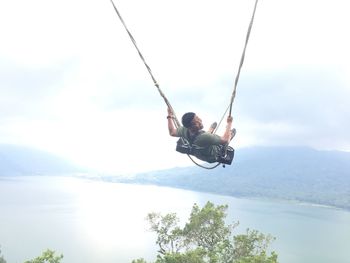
[171, 127]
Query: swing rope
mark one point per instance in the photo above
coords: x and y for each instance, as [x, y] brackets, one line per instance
[242, 57]
[175, 119]
[239, 68]
[177, 123]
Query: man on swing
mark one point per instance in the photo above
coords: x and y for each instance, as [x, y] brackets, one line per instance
[211, 146]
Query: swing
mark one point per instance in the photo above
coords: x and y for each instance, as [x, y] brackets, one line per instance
[225, 157]
[183, 145]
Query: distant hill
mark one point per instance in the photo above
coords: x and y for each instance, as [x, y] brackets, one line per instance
[18, 160]
[299, 174]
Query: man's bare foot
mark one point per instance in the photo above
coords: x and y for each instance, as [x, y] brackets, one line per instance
[212, 127]
[233, 133]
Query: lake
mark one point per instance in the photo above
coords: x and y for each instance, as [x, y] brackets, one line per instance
[91, 221]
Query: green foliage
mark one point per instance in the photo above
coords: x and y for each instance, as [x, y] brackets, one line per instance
[252, 246]
[2, 260]
[206, 238]
[47, 256]
[140, 260]
[206, 228]
[191, 256]
[170, 236]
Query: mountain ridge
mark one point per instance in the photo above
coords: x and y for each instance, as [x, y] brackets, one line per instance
[284, 173]
[18, 160]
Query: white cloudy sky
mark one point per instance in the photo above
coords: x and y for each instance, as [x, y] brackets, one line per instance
[72, 83]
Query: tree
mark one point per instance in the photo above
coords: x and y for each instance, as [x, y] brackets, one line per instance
[47, 256]
[2, 260]
[251, 247]
[170, 236]
[140, 260]
[206, 238]
[207, 229]
[190, 256]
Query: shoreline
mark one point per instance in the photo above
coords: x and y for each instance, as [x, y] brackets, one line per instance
[123, 181]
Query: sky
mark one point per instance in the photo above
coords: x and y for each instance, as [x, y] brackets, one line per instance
[72, 83]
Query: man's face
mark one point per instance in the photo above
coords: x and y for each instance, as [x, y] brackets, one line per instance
[197, 122]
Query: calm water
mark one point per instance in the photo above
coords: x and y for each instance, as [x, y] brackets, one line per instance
[93, 221]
